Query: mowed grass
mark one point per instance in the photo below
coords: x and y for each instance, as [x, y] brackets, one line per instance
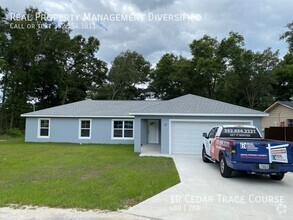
[80, 176]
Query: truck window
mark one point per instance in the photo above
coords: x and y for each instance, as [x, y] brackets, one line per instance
[239, 132]
[213, 132]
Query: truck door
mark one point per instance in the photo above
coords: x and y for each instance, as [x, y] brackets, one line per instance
[211, 137]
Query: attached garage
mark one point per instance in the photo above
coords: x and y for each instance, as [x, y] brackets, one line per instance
[186, 135]
[182, 121]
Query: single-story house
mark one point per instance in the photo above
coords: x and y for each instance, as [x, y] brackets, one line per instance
[175, 125]
[280, 114]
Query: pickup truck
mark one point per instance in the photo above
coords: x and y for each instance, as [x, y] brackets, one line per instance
[242, 148]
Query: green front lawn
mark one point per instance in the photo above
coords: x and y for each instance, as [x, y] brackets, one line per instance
[84, 176]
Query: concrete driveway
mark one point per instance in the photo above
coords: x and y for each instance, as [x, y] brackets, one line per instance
[204, 194]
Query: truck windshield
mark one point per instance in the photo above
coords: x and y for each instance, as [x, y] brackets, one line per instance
[238, 132]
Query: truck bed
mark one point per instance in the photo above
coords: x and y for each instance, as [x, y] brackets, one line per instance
[262, 151]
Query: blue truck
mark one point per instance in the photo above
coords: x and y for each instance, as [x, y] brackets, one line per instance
[241, 147]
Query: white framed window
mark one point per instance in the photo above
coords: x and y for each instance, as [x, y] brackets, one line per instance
[43, 128]
[122, 129]
[85, 128]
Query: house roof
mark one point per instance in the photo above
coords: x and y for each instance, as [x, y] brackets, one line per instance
[92, 108]
[187, 105]
[288, 104]
[192, 105]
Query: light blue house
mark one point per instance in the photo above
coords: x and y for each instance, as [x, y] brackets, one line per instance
[175, 126]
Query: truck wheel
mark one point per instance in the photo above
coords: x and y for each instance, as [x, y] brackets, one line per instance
[224, 169]
[203, 155]
[278, 176]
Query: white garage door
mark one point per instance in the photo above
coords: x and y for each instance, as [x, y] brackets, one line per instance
[186, 136]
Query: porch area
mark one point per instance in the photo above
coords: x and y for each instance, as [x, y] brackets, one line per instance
[152, 150]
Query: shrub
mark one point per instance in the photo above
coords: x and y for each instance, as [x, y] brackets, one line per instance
[14, 132]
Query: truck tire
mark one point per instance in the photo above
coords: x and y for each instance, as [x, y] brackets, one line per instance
[278, 176]
[203, 155]
[224, 169]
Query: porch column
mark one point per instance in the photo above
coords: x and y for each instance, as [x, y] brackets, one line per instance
[137, 134]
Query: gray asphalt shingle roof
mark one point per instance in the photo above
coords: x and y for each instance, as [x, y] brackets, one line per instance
[184, 105]
[192, 104]
[93, 108]
[288, 103]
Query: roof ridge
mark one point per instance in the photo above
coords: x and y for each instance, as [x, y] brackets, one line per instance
[286, 104]
[283, 103]
[57, 106]
[195, 104]
[215, 100]
[108, 100]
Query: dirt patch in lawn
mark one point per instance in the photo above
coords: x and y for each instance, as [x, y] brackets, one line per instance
[90, 175]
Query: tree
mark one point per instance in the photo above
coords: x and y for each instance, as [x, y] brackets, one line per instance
[161, 78]
[44, 63]
[3, 43]
[258, 92]
[283, 88]
[128, 71]
[284, 70]
[172, 77]
[288, 37]
[222, 70]
[243, 70]
[231, 52]
[207, 63]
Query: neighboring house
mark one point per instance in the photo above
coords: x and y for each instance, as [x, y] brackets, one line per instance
[176, 125]
[280, 114]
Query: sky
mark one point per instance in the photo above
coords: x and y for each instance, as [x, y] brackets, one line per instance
[156, 27]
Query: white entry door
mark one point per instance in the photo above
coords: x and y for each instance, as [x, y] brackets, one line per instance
[153, 131]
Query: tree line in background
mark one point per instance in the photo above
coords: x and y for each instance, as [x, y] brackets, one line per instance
[47, 66]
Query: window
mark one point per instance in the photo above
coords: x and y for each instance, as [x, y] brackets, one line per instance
[85, 128]
[44, 128]
[290, 122]
[122, 129]
[213, 132]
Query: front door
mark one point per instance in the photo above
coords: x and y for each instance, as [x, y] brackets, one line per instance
[153, 131]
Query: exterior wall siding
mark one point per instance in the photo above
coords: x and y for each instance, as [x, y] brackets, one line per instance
[144, 132]
[165, 125]
[137, 135]
[67, 130]
[277, 115]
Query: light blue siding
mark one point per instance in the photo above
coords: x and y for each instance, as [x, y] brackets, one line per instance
[165, 128]
[165, 135]
[137, 135]
[67, 130]
[144, 132]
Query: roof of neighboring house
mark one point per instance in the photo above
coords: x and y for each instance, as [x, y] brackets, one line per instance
[187, 105]
[192, 105]
[92, 108]
[288, 104]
